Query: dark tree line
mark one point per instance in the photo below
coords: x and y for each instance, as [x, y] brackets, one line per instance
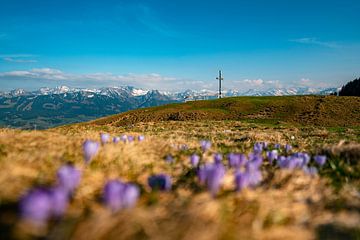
[351, 88]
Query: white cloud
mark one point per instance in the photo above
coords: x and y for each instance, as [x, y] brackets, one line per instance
[152, 80]
[315, 41]
[18, 58]
[255, 82]
[9, 59]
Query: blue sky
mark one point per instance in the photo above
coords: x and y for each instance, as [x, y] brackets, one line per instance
[178, 44]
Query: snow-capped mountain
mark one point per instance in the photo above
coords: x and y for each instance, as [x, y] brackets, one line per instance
[48, 107]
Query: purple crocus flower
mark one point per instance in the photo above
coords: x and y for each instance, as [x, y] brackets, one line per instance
[123, 138]
[214, 178]
[68, 178]
[130, 139]
[141, 138]
[320, 159]
[203, 171]
[288, 148]
[113, 194]
[237, 160]
[59, 201]
[104, 138]
[169, 158]
[272, 155]
[255, 160]
[116, 139]
[160, 182]
[194, 160]
[218, 158]
[130, 195]
[277, 146]
[312, 171]
[205, 145]
[119, 195]
[258, 147]
[90, 149]
[36, 206]
[254, 177]
[241, 180]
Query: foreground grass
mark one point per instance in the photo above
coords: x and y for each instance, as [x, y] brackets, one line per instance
[287, 205]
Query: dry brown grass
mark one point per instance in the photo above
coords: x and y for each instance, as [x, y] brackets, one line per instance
[288, 205]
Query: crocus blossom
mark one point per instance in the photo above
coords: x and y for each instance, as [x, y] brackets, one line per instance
[205, 145]
[118, 195]
[90, 149]
[68, 178]
[160, 182]
[194, 160]
[320, 159]
[141, 138]
[36, 206]
[104, 138]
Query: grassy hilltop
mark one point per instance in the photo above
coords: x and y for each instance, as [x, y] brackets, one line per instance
[287, 204]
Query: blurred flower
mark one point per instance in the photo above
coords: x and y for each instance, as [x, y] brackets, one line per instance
[236, 160]
[212, 175]
[312, 171]
[320, 159]
[218, 158]
[194, 160]
[90, 149]
[116, 139]
[68, 178]
[141, 138]
[36, 206]
[277, 146]
[113, 194]
[169, 158]
[123, 138]
[272, 155]
[59, 201]
[130, 139]
[130, 195]
[241, 180]
[255, 160]
[118, 195]
[104, 138]
[288, 148]
[160, 182]
[205, 145]
[214, 178]
[258, 147]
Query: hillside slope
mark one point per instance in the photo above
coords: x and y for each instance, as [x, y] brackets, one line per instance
[301, 110]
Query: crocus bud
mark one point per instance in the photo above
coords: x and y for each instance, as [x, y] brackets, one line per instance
[116, 139]
[68, 178]
[214, 178]
[218, 158]
[194, 160]
[320, 159]
[36, 206]
[160, 182]
[130, 195]
[59, 201]
[90, 149]
[104, 138]
[272, 155]
[112, 194]
[141, 138]
[205, 145]
[241, 180]
[288, 148]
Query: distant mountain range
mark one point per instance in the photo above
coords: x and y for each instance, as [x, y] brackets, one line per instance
[50, 107]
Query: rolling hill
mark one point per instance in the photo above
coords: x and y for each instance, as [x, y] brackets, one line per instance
[299, 110]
